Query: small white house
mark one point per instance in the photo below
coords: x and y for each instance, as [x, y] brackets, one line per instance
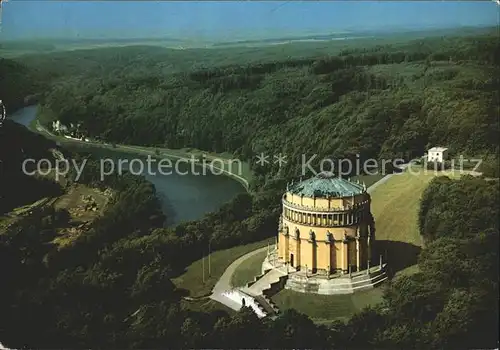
[437, 154]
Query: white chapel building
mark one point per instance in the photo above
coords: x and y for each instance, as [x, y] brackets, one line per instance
[437, 154]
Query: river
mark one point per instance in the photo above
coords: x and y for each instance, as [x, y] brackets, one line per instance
[183, 197]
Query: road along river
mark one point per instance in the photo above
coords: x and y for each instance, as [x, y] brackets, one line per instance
[185, 194]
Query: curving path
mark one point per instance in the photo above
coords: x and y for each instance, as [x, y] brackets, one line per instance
[385, 178]
[145, 150]
[224, 282]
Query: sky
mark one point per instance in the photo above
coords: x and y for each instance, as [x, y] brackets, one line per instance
[231, 20]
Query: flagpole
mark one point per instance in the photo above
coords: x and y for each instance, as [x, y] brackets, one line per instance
[209, 253]
[203, 267]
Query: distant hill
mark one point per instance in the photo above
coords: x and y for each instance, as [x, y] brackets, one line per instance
[16, 83]
[60, 44]
[363, 34]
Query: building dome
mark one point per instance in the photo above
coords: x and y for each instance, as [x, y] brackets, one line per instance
[325, 185]
[326, 225]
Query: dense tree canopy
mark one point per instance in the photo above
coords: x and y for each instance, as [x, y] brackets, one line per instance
[450, 208]
[383, 102]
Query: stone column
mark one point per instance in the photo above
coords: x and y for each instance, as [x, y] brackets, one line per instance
[358, 262]
[314, 256]
[345, 254]
[286, 245]
[286, 254]
[343, 257]
[297, 253]
[312, 241]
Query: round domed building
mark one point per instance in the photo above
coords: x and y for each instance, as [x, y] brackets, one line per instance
[326, 226]
[325, 244]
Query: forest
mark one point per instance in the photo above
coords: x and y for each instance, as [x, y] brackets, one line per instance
[378, 102]
[126, 261]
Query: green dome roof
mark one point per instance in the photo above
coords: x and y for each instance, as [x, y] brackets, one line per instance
[326, 184]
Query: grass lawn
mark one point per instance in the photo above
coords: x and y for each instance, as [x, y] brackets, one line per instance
[325, 308]
[247, 270]
[192, 279]
[73, 201]
[395, 206]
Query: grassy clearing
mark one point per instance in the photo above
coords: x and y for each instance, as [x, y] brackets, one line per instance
[327, 308]
[247, 270]
[192, 279]
[74, 202]
[395, 206]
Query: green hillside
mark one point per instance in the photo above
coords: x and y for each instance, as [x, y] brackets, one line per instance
[112, 284]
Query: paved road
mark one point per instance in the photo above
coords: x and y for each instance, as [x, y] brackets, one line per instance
[151, 151]
[224, 282]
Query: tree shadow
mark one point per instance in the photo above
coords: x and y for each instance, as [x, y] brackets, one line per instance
[397, 255]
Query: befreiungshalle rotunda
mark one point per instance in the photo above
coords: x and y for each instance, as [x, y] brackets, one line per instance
[326, 226]
[326, 239]
[325, 245]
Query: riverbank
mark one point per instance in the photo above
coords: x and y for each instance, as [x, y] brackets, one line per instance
[184, 195]
[242, 174]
